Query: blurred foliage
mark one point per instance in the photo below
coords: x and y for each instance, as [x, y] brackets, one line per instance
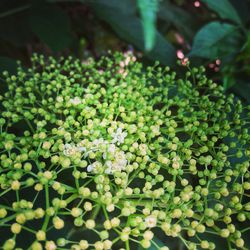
[204, 31]
[148, 9]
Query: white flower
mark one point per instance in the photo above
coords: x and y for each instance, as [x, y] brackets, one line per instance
[104, 156]
[109, 165]
[80, 146]
[111, 148]
[99, 142]
[81, 149]
[75, 101]
[72, 149]
[118, 136]
[150, 221]
[118, 164]
[69, 149]
[94, 166]
[120, 157]
[90, 168]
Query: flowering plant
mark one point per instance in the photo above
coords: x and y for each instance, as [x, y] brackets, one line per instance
[112, 156]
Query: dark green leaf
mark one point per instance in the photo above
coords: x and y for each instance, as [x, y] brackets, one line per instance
[158, 242]
[228, 81]
[221, 243]
[148, 9]
[242, 89]
[51, 25]
[15, 29]
[216, 40]
[125, 7]
[179, 18]
[224, 9]
[129, 28]
[243, 9]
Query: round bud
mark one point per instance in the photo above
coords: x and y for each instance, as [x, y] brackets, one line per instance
[58, 223]
[90, 224]
[76, 212]
[16, 228]
[50, 245]
[83, 244]
[40, 235]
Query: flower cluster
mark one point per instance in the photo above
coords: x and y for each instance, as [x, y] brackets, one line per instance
[111, 159]
[110, 155]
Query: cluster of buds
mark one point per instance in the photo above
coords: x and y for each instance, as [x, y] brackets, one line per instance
[110, 155]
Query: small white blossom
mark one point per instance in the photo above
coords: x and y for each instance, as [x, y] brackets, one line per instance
[109, 165]
[111, 148]
[118, 136]
[69, 149]
[99, 142]
[119, 163]
[75, 101]
[82, 149]
[94, 166]
[150, 221]
[90, 168]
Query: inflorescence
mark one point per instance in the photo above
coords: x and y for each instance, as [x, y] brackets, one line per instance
[109, 155]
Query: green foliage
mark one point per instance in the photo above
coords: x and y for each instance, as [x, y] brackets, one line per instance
[51, 25]
[226, 41]
[104, 154]
[15, 29]
[224, 9]
[148, 9]
[179, 18]
[129, 27]
[209, 42]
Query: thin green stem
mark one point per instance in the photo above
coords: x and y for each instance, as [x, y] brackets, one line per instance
[3, 221]
[127, 245]
[95, 212]
[71, 198]
[4, 192]
[30, 126]
[47, 217]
